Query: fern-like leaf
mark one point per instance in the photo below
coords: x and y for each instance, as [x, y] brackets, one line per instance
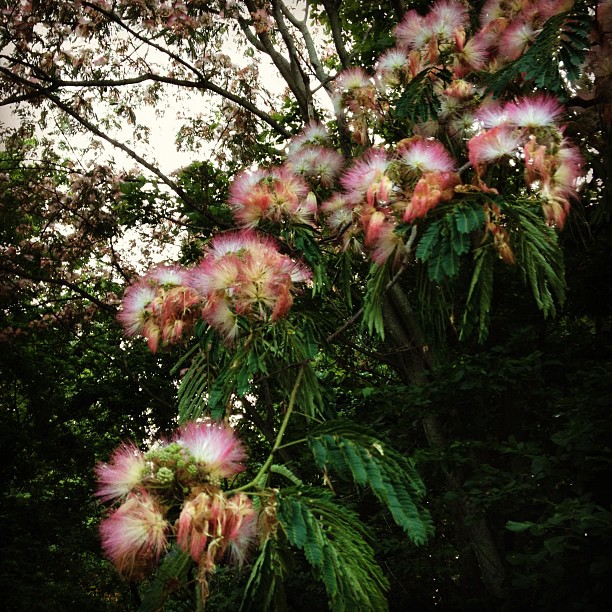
[171, 575]
[355, 452]
[336, 546]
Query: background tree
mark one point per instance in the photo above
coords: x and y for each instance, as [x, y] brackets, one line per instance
[503, 410]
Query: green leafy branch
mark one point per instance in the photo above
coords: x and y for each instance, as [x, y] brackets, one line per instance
[335, 544]
[355, 452]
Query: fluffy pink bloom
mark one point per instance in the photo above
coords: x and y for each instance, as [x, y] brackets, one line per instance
[516, 38]
[413, 31]
[367, 177]
[211, 525]
[380, 237]
[274, 195]
[137, 307]
[316, 163]
[493, 144]
[392, 65]
[244, 274]
[160, 306]
[352, 78]
[568, 169]
[539, 111]
[134, 535]
[122, 475]
[426, 155]
[491, 114]
[314, 134]
[446, 17]
[214, 446]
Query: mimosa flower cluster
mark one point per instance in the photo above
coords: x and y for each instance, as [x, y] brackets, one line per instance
[490, 140]
[172, 493]
[242, 275]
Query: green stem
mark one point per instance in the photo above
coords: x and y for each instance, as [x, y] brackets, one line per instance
[279, 437]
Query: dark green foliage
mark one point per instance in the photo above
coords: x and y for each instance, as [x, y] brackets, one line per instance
[355, 452]
[418, 102]
[335, 543]
[172, 574]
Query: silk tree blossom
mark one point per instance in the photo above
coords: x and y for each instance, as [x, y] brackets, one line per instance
[491, 114]
[492, 145]
[392, 66]
[516, 38]
[425, 155]
[212, 527]
[316, 163]
[134, 535]
[244, 274]
[380, 237]
[123, 474]
[273, 195]
[367, 178]
[160, 306]
[447, 17]
[314, 134]
[538, 111]
[412, 32]
[431, 189]
[214, 447]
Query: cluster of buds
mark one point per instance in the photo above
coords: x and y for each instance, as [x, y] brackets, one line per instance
[172, 492]
[242, 275]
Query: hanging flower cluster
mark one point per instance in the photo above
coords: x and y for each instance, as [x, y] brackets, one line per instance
[172, 492]
[489, 139]
[242, 274]
[161, 306]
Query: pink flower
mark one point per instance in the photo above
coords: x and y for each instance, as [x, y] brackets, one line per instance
[211, 525]
[412, 32]
[426, 155]
[367, 177]
[122, 475]
[160, 306]
[137, 308]
[380, 236]
[516, 38]
[392, 65]
[539, 111]
[491, 114]
[245, 274]
[352, 78]
[134, 535]
[275, 195]
[213, 446]
[493, 144]
[446, 17]
[316, 163]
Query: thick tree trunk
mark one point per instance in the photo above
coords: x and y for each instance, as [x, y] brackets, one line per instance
[414, 363]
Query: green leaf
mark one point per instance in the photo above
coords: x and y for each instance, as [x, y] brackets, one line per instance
[429, 241]
[336, 547]
[171, 575]
[518, 527]
[468, 217]
[355, 452]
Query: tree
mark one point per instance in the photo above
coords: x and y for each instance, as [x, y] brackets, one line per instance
[389, 253]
